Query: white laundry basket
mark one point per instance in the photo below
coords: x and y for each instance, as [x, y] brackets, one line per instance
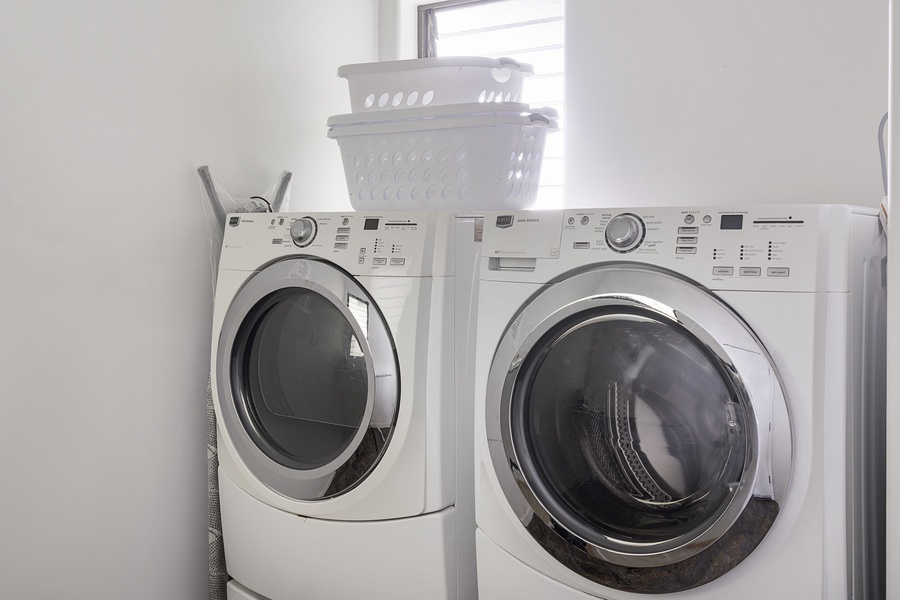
[457, 157]
[419, 82]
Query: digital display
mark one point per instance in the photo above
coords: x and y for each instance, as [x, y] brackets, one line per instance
[370, 224]
[732, 222]
[504, 221]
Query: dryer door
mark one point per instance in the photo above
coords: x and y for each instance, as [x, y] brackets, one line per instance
[629, 417]
[308, 379]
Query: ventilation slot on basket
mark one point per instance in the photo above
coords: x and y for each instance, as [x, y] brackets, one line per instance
[398, 99]
[486, 96]
[413, 176]
[524, 172]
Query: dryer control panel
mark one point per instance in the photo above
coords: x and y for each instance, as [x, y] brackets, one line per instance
[401, 243]
[790, 247]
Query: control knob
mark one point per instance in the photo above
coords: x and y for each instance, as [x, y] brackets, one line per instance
[625, 232]
[303, 231]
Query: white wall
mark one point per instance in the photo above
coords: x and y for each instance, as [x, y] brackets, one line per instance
[724, 101]
[398, 29]
[107, 109]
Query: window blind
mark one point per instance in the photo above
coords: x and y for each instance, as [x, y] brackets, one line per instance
[530, 31]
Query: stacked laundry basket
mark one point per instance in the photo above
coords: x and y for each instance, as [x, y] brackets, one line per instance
[441, 133]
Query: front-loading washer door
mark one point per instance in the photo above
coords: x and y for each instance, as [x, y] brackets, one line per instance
[308, 379]
[629, 419]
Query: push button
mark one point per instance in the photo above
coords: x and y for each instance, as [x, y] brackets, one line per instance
[686, 250]
[379, 260]
[398, 262]
[751, 271]
[723, 271]
[778, 272]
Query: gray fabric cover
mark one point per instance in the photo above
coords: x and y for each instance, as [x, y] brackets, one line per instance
[218, 578]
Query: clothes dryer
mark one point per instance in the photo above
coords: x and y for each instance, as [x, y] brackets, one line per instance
[335, 385]
[681, 401]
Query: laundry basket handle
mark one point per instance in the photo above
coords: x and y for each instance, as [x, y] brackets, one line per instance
[506, 61]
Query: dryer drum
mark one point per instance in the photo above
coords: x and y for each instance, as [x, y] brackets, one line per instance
[304, 390]
[309, 369]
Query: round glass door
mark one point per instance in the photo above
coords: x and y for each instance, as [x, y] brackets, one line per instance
[311, 376]
[633, 433]
[628, 429]
[301, 375]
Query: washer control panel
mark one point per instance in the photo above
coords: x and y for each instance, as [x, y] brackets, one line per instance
[303, 231]
[732, 247]
[625, 232]
[384, 244]
[762, 242]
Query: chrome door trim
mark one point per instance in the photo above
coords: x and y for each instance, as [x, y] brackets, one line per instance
[381, 369]
[674, 299]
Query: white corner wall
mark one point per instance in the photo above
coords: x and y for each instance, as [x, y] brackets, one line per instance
[724, 102]
[107, 110]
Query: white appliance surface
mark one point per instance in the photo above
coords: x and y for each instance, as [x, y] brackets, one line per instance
[806, 283]
[235, 591]
[405, 519]
[279, 555]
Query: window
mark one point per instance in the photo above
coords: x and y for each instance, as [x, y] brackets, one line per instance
[530, 31]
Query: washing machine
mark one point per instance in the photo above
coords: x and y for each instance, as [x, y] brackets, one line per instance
[336, 340]
[681, 401]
